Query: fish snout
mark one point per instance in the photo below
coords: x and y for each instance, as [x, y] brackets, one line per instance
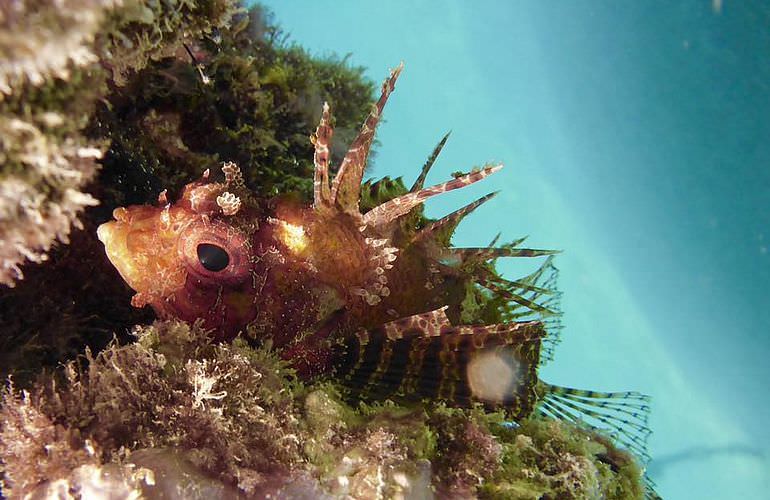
[105, 231]
[142, 251]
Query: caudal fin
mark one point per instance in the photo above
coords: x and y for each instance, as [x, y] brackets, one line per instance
[621, 415]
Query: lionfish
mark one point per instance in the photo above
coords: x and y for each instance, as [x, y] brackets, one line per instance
[373, 296]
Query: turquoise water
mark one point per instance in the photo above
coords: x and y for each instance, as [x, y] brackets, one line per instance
[636, 138]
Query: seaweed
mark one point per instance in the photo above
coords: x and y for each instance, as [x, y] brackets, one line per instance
[128, 114]
[172, 408]
[104, 103]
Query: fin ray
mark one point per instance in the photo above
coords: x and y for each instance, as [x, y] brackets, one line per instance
[551, 409]
[623, 415]
[488, 253]
[425, 365]
[452, 220]
[520, 284]
[428, 324]
[402, 205]
[420, 182]
[346, 188]
[537, 288]
[321, 140]
[513, 296]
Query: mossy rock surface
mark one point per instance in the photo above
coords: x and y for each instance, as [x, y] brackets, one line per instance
[233, 419]
[153, 115]
[144, 96]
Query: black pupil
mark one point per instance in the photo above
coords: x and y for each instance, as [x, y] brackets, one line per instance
[212, 257]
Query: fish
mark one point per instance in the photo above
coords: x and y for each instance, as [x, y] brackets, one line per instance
[371, 294]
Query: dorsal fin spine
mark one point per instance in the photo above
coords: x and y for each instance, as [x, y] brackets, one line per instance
[346, 187]
[420, 182]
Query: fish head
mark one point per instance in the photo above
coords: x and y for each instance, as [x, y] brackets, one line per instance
[189, 260]
[220, 256]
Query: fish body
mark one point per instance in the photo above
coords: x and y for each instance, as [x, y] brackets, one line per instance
[304, 277]
[373, 295]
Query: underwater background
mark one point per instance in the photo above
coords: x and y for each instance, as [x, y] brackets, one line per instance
[635, 138]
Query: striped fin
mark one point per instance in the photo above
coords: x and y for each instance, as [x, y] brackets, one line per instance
[532, 298]
[420, 182]
[514, 243]
[483, 279]
[527, 291]
[622, 415]
[321, 140]
[649, 489]
[520, 285]
[346, 188]
[462, 255]
[429, 324]
[495, 365]
[539, 273]
[452, 220]
[395, 208]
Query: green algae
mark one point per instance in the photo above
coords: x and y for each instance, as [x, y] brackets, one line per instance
[235, 418]
[551, 459]
[170, 89]
[141, 104]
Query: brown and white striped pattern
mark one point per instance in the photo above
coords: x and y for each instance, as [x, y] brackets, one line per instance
[427, 324]
[346, 188]
[321, 140]
[420, 182]
[512, 296]
[395, 208]
[487, 253]
[416, 363]
[451, 220]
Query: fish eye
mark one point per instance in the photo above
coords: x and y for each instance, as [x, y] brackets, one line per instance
[213, 257]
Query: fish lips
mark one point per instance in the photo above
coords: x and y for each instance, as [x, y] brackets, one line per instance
[144, 256]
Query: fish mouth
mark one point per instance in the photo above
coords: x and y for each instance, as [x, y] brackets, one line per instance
[113, 236]
[142, 253]
[105, 231]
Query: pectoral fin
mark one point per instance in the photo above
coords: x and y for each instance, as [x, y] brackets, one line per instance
[495, 365]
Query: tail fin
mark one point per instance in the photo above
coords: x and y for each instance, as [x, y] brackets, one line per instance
[495, 365]
[649, 489]
[621, 415]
